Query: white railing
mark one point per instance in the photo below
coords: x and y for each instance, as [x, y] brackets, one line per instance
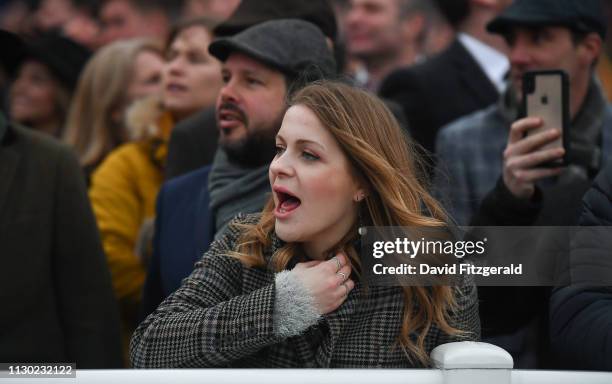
[457, 363]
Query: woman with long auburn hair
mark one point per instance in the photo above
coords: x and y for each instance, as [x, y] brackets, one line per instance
[283, 288]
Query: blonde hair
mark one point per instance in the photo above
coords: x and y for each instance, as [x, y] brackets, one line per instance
[101, 91]
[382, 156]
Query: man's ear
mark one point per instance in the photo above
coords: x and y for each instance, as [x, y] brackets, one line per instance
[590, 48]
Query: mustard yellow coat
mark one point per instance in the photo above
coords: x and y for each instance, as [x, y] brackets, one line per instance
[604, 71]
[123, 192]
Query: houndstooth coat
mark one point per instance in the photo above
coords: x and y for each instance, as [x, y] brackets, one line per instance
[222, 316]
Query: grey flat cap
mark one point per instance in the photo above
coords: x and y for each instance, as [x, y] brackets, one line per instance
[291, 46]
[580, 15]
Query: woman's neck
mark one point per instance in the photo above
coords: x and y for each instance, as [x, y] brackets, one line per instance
[315, 251]
[326, 239]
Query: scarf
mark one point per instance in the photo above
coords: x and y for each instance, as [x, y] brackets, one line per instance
[235, 189]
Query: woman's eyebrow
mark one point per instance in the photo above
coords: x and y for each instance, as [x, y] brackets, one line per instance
[302, 141]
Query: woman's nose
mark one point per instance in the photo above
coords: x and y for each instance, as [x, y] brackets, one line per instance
[282, 165]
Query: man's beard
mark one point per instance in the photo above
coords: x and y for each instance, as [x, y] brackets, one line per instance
[256, 148]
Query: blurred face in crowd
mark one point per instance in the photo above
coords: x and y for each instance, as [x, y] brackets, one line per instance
[85, 30]
[16, 17]
[216, 9]
[192, 77]
[122, 20]
[250, 108]
[552, 47]
[147, 75]
[33, 97]
[374, 27]
[53, 13]
[313, 184]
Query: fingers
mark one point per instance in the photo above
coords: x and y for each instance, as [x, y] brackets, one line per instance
[309, 264]
[524, 154]
[533, 175]
[343, 273]
[344, 289]
[520, 128]
[329, 281]
[534, 159]
[336, 263]
[532, 142]
[345, 285]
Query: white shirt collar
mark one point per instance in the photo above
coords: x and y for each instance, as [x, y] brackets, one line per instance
[494, 63]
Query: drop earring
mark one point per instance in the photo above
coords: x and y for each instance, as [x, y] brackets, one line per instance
[362, 230]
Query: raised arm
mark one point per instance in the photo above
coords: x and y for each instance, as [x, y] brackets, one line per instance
[208, 322]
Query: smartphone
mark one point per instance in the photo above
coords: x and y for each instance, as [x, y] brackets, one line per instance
[546, 95]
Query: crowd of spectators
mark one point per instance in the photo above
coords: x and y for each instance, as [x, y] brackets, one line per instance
[132, 133]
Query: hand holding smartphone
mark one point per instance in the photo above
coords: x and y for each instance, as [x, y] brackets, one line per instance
[546, 96]
[538, 144]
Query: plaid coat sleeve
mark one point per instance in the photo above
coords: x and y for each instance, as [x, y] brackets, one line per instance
[208, 322]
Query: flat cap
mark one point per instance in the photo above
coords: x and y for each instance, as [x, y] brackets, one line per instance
[579, 15]
[291, 46]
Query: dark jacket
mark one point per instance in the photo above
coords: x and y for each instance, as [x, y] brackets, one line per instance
[223, 316]
[438, 91]
[581, 317]
[55, 288]
[184, 229]
[557, 202]
[597, 203]
[193, 144]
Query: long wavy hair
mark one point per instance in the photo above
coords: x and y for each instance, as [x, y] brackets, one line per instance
[90, 128]
[383, 156]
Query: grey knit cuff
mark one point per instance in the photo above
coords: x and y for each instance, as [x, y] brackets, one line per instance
[294, 307]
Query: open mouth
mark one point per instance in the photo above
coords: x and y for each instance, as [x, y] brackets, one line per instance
[173, 87]
[229, 116]
[286, 201]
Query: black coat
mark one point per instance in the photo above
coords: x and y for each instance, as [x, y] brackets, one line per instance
[55, 288]
[193, 143]
[581, 317]
[438, 91]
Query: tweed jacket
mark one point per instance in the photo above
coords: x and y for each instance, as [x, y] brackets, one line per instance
[470, 156]
[223, 316]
